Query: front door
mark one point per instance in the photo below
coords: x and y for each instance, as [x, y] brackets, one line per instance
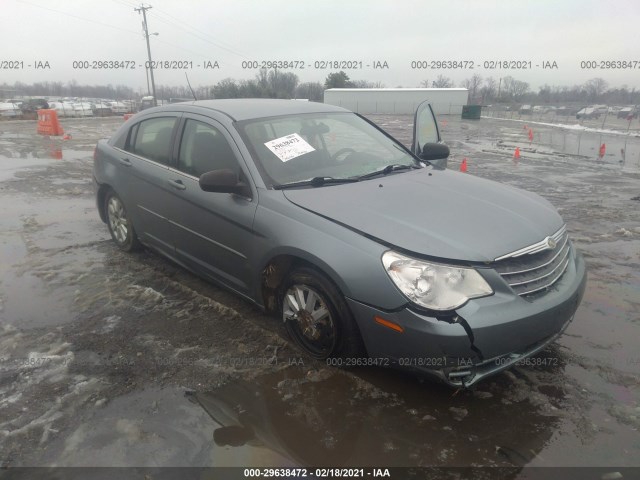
[425, 131]
[212, 231]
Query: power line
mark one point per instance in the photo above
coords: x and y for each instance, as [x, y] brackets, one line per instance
[206, 57]
[112, 26]
[133, 5]
[125, 3]
[78, 17]
[217, 41]
[200, 35]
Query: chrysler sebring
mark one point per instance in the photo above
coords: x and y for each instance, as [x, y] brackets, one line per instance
[370, 252]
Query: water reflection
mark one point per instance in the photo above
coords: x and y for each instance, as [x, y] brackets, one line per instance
[329, 418]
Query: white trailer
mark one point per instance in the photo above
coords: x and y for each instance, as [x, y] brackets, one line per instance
[444, 101]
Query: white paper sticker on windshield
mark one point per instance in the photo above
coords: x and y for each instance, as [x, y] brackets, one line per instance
[289, 146]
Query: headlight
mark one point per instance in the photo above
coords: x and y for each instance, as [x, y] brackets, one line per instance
[434, 286]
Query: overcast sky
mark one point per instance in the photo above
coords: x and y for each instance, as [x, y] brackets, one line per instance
[396, 32]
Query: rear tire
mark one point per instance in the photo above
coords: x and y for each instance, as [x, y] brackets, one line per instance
[317, 317]
[119, 223]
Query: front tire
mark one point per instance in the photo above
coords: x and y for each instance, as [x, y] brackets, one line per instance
[317, 317]
[119, 223]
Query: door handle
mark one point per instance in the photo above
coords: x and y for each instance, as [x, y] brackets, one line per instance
[125, 161]
[177, 184]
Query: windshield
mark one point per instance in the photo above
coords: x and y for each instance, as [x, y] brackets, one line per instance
[296, 148]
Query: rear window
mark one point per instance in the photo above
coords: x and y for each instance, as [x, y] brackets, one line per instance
[153, 139]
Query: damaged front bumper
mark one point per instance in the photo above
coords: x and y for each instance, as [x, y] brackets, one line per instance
[484, 337]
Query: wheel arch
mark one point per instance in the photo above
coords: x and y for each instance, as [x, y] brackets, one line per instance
[101, 196]
[276, 267]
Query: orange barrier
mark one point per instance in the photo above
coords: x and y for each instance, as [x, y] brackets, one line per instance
[516, 154]
[48, 123]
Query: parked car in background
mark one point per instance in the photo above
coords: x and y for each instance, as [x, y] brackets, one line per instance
[525, 110]
[130, 105]
[32, 105]
[146, 102]
[118, 108]
[101, 109]
[543, 109]
[369, 253]
[82, 109]
[63, 109]
[628, 112]
[587, 113]
[9, 110]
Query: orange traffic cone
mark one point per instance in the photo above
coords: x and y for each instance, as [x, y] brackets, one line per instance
[463, 165]
[603, 149]
[530, 135]
[516, 154]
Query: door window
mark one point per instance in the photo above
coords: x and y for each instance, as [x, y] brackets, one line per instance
[204, 148]
[153, 139]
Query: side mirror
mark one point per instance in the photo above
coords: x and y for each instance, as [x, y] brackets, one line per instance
[434, 151]
[223, 181]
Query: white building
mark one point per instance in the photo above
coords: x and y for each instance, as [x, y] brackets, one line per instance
[444, 101]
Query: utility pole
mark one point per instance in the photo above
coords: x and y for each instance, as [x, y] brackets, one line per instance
[143, 10]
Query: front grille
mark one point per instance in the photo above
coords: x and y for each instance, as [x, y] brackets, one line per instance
[530, 273]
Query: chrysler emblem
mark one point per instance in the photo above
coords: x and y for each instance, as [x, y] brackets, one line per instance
[551, 243]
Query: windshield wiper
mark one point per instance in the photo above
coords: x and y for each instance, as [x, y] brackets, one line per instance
[387, 170]
[315, 182]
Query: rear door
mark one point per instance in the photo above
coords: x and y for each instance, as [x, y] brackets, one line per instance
[212, 231]
[147, 156]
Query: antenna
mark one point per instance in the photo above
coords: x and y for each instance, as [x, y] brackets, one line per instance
[189, 83]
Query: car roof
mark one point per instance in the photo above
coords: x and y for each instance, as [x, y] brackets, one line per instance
[249, 108]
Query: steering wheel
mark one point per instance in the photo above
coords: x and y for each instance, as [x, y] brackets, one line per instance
[341, 152]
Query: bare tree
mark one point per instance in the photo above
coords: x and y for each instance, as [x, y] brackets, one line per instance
[362, 84]
[282, 85]
[489, 90]
[442, 82]
[595, 87]
[515, 89]
[424, 84]
[473, 85]
[226, 88]
[313, 91]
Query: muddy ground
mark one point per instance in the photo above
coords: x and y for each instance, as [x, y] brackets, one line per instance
[114, 359]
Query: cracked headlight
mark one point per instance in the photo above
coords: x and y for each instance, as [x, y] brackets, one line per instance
[432, 285]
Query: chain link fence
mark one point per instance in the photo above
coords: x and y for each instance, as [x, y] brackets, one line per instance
[566, 134]
[604, 121]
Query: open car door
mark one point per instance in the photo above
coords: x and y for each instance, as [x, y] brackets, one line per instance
[426, 137]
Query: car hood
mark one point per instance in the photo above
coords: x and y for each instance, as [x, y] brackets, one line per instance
[442, 214]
